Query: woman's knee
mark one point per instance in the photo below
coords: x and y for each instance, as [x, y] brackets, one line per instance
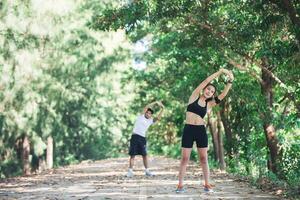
[203, 159]
[185, 160]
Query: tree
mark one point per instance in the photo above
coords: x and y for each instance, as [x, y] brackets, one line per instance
[191, 39]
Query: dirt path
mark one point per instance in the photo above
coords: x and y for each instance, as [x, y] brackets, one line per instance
[105, 180]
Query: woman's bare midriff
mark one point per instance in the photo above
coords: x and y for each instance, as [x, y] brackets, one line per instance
[193, 119]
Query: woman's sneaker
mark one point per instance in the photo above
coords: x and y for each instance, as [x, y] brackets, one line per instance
[180, 189]
[208, 188]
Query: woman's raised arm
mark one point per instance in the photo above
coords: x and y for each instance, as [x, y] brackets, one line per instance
[202, 85]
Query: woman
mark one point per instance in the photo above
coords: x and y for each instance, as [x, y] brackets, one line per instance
[194, 129]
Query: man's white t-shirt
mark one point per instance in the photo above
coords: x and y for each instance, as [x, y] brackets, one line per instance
[141, 125]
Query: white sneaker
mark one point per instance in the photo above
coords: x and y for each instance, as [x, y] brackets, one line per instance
[129, 174]
[148, 173]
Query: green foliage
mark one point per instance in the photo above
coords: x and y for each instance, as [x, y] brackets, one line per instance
[172, 150]
[62, 76]
[59, 79]
[10, 168]
[192, 39]
[290, 164]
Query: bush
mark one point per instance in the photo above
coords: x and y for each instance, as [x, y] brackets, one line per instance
[10, 168]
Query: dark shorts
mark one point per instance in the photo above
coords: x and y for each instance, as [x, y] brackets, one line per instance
[193, 133]
[137, 145]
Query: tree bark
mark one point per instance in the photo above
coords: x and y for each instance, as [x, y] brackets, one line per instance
[273, 146]
[220, 142]
[25, 155]
[42, 164]
[227, 129]
[49, 153]
[212, 129]
[269, 129]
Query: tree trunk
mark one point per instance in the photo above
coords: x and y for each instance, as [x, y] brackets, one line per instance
[42, 164]
[227, 130]
[269, 129]
[49, 152]
[272, 143]
[212, 129]
[220, 142]
[25, 156]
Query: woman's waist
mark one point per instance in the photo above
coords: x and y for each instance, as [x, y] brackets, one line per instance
[194, 120]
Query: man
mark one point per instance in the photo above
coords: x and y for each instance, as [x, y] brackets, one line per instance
[138, 137]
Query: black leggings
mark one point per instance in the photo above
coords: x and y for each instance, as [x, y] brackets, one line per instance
[193, 133]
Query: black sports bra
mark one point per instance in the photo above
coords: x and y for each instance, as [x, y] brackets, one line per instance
[199, 110]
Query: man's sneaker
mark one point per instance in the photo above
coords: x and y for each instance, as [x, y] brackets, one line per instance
[208, 188]
[129, 174]
[180, 189]
[148, 173]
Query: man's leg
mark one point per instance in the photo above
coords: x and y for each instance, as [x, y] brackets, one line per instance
[132, 153]
[131, 161]
[145, 161]
[147, 171]
[145, 158]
